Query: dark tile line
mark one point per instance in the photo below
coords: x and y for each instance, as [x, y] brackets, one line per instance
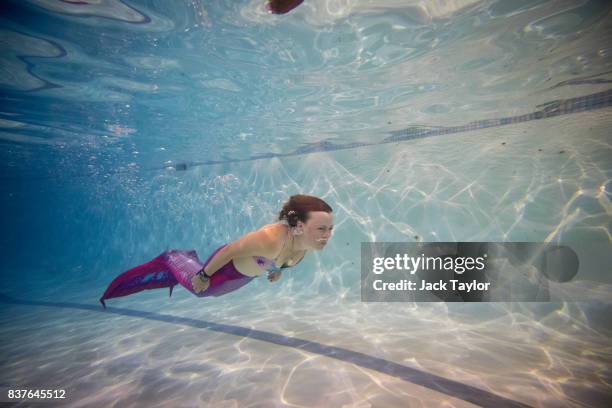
[443, 385]
[548, 110]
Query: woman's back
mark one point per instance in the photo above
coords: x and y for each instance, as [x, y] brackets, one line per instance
[278, 254]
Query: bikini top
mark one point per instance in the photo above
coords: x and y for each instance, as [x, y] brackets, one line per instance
[270, 264]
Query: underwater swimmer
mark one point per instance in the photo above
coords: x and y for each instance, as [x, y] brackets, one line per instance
[309, 224]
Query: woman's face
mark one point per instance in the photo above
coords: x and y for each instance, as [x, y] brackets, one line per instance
[317, 230]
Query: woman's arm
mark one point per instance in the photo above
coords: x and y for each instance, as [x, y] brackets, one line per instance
[274, 276]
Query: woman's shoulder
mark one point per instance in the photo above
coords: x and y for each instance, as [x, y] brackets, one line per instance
[264, 241]
[276, 232]
[276, 229]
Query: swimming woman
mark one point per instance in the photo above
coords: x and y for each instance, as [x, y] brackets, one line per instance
[308, 226]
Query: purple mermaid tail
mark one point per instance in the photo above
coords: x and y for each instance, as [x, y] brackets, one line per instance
[172, 267]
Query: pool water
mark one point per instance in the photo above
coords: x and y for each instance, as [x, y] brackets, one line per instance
[133, 127]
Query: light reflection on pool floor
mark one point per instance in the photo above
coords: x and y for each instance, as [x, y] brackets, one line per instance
[538, 354]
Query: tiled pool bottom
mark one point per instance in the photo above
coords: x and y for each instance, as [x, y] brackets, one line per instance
[153, 351]
[159, 351]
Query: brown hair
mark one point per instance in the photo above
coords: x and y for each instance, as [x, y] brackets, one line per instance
[298, 206]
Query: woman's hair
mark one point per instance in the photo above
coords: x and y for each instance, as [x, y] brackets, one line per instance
[298, 206]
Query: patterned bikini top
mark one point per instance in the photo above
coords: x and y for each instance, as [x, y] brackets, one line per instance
[270, 264]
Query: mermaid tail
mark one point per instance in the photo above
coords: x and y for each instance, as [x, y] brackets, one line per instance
[172, 267]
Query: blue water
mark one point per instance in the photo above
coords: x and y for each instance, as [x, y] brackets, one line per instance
[131, 127]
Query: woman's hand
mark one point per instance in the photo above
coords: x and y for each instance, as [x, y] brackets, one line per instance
[198, 284]
[274, 276]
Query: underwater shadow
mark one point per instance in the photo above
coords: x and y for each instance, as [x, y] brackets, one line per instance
[443, 385]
